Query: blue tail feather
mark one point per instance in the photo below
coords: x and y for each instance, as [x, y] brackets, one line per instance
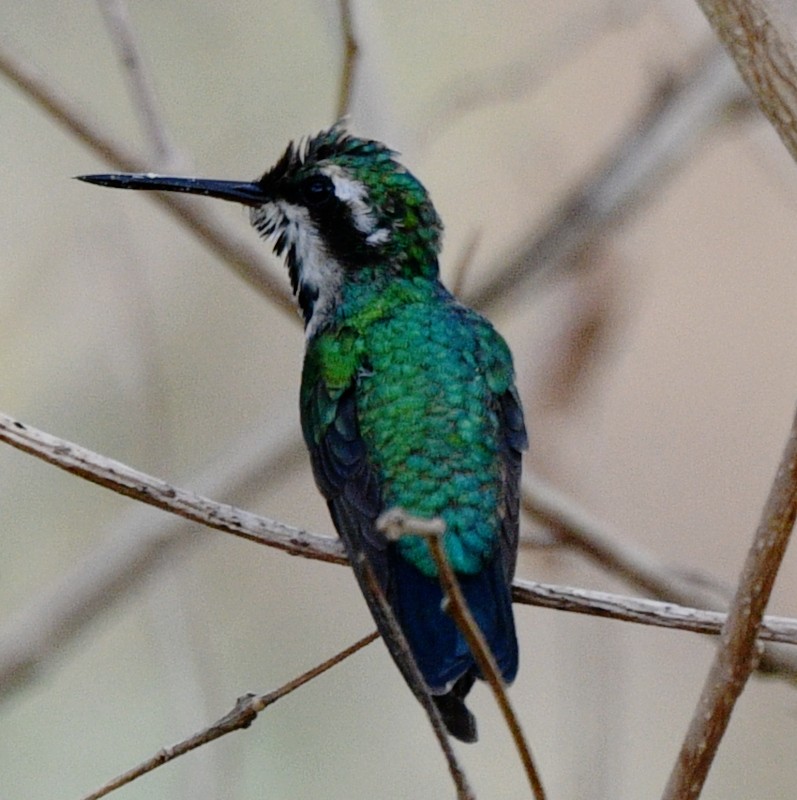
[440, 650]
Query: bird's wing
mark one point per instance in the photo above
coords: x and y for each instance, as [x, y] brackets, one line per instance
[342, 470]
[513, 442]
[351, 487]
[495, 360]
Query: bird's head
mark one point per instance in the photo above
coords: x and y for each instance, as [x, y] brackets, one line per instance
[338, 208]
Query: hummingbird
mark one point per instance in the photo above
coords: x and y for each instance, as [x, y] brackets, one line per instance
[407, 399]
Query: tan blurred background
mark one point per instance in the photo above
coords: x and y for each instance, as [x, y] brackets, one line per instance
[659, 380]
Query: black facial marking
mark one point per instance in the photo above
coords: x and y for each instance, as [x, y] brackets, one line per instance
[306, 297]
[301, 178]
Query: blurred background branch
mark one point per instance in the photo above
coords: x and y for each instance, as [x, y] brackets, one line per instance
[675, 122]
[142, 87]
[641, 278]
[237, 251]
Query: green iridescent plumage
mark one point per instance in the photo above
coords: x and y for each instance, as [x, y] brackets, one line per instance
[408, 401]
[427, 372]
[407, 397]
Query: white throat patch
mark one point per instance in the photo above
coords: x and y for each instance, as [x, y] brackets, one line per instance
[318, 271]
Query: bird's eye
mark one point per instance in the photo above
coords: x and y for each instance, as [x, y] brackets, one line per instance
[317, 189]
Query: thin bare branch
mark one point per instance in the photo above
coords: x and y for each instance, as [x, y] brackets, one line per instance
[153, 491]
[401, 652]
[142, 88]
[88, 586]
[677, 118]
[395, 523]
[580, 531]
[458, 608]
[757, 36]
[351, 55]
[643, 611]
[241, 716]
[236, 251]
[736, 656]
[138, 542]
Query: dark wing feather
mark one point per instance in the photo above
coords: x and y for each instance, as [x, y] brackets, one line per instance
[514, 441]
[351, 487]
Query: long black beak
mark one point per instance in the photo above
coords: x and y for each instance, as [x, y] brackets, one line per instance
[250, 194]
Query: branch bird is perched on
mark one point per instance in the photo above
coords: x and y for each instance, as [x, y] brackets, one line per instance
[407, 397]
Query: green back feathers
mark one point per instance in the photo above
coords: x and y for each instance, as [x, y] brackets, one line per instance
[427, 378]
[419, 375]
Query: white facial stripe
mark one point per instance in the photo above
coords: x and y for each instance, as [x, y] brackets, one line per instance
[355, 195]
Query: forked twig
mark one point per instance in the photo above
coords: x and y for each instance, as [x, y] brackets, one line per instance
[241, 716]
[396, 523]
